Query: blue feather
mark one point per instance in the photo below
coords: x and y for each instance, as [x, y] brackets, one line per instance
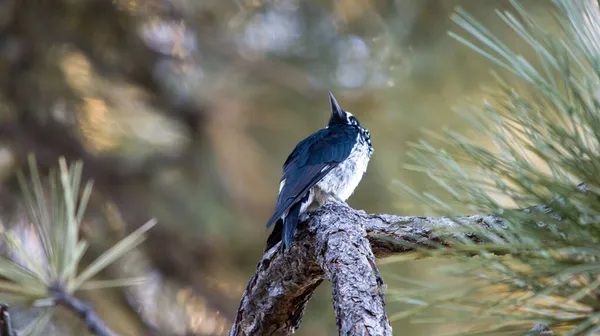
[310, 161]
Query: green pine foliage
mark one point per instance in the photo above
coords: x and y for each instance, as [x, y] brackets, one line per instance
[55, 213]
[541, 263]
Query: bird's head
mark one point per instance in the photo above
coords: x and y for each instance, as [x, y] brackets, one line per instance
[339, 116]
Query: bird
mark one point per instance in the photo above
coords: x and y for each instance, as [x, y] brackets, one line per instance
[324, 167]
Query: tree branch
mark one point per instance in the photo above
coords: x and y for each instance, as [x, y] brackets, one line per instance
[93, 322]
[334, 246]
[344, 253]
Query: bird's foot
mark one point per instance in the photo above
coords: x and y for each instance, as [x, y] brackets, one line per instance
[336, 200]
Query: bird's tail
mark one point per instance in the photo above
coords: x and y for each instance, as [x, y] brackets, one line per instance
[275, 236]
[285, 228]
[290, 222]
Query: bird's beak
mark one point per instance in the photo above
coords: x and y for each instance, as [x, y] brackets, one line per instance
[336, 110]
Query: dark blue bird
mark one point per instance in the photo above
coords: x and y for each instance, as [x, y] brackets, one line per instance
[326, 166]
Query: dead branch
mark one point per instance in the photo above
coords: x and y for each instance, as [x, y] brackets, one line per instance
[339, 244]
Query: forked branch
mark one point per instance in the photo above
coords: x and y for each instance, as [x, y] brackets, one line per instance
[339, 244]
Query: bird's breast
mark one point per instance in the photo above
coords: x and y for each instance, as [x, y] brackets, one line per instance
[341, 181]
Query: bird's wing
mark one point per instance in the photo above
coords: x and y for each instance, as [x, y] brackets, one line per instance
[310, 161]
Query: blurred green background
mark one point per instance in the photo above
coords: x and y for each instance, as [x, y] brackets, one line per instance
[185, 110]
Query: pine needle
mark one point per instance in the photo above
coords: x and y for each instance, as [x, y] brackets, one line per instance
[546, 132]
[117, 251]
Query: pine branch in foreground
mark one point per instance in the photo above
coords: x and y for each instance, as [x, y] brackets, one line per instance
[546, 132]
[50, 275]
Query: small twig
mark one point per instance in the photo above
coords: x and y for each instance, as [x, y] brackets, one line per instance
[83, 310]
[5, 326]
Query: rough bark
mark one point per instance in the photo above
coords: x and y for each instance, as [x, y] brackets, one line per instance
[344, 253]
[276, 295]
[338, 244]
